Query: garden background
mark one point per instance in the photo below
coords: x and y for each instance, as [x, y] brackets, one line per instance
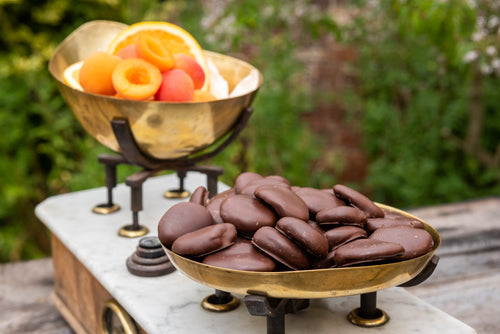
[399, 99]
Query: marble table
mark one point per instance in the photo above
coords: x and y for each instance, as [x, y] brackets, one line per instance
[171, 303]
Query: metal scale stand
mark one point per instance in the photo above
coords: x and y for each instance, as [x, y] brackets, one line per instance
[132, 155]
[275, 309]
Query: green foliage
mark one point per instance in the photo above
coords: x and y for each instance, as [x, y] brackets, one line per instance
[48, 151]
[426, 97]
[417, 98]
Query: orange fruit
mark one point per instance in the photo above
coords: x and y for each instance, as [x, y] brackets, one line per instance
[136, 79]
[71, 75]
[176, 38]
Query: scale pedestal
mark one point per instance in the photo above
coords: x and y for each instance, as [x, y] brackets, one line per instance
[92, 280]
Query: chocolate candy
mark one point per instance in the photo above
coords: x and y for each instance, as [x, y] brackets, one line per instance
[284, 201]
[359, 200]
[213, 205]
[305, 235]
[241, 256]
[343, 215]
[327, 262]
[367, 251]
[415, 241]
[343, 234]
[290, 227]
[180, 219]
[205, 240]
[250, 187]
[373, 224]
[199, 196]
[279, 247]
[243, 179]
[247, 213]
[317, 200]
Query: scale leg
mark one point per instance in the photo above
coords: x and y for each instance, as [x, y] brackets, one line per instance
[135, 182]
[274, 309]
[110, 162]
[179, 192]
[368, 315]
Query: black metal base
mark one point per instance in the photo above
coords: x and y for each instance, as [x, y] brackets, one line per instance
[366, 315]
[131, 154]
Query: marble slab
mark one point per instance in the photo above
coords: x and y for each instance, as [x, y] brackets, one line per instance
[172, 303]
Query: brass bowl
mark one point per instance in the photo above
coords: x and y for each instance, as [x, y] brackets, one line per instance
[308, 284]
[162, 130]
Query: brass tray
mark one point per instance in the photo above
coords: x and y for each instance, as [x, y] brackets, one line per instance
[162, 130]
[309, 284]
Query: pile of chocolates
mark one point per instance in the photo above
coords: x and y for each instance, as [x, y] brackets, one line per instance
[266, 224]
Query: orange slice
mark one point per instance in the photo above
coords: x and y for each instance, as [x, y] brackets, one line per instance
[176, 38]
[71, 75]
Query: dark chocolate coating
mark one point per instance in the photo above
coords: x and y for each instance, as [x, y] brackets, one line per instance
[205, 240]
[343, 234]
[373, 224]
[366, 251]
[327, 262]
[284, 201]
[317, 200]
[415, 241]
[305, 235]
[344, 215]
[213, 205]
[243, 179]
[359, 200]
[250, 188]
[273, 243]
[199, 196]
[247, 213]
[180, 219]
[241, 256]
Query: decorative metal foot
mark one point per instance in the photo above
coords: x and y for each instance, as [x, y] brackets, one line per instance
[368, 315]
[221, 301]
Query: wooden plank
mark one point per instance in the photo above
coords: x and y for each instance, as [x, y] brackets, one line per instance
[24, 299]
[78, 296]
[80, 293]
[466, 283]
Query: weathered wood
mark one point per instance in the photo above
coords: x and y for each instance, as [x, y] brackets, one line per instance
[24, 299]
[79, 292]
[77, 295]
[466, 283]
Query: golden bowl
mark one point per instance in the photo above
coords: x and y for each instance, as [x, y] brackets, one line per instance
[308, 284]
[162, 130]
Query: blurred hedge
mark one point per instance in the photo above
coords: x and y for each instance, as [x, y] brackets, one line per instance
[429, 113]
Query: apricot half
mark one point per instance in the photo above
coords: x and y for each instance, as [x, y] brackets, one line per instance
[136, 79]
[152, 49]
[176, 86]
[189, 65]
[96, 73]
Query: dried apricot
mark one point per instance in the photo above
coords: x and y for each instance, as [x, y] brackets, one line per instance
[136, 79]
[96, 72]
